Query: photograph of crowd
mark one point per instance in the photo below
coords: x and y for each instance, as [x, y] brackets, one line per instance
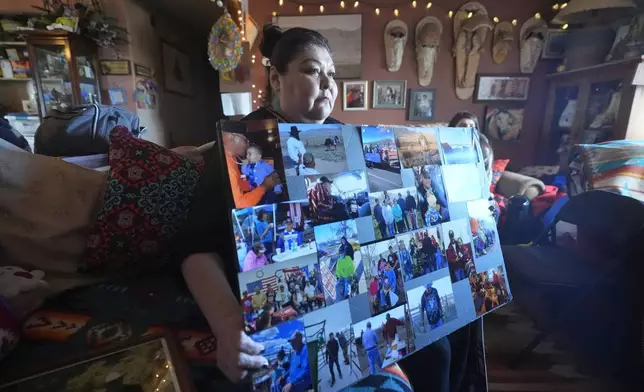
[255, 234]
[383, 275]
[458, 249]
[458, 145]
[383, 339]
[459, 190]
[431, 305]
[285, 348]
[285, 291]
[337, 197]
[417, 146]
[482, 226]
[432, 200]
[310, 149]
[425, 252]
[340, 260]
[394, 212]
[328, 333]
[381, 157]
[489, 290]
[255, 165]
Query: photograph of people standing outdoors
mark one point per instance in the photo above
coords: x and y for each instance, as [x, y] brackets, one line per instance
[312, 149]
[432, 200]
[337, 197]
[285, 348]
[426, 252]
[482, 226]
[340, 260]
[431, 305]
[254, 229]
[489, 290]
[417, 146]
[254, 163]
[328, 333]
[383, 339]
[381, 157]
[294, 233]
[394, 212]
[383, 275]
[458, 249]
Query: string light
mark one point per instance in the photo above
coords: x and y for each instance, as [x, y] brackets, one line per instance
[321, 9]
[564, 5]
[253, 86]
[239, 12]
[253, 56]
[468, 15]
[260, 91]
[281, 3]
[496, 20]
[429, 5]
[254, 101]
[396, 12]
[564, 27]
[274, 13]
[514, 22]
[356, 4]
[413, 4]
[342, 4]
[537, 15]
[555, 7]
[450, 14]
[301, 9]
[377, 11]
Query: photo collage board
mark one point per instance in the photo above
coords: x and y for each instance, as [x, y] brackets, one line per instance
[357, 245]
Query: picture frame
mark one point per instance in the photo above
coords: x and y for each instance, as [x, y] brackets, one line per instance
[501, 88]
[142, 70]
[503, 123]
[555, 45]
[354, 95]
[115, 67]
[177, 75]
[389, 94]
[422, 105]
[157, 357]
[117, 96]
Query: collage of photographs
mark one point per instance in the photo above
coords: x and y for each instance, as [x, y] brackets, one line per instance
[348, 248]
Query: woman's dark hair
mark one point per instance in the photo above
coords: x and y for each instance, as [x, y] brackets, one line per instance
[282, 46]
[463, 116]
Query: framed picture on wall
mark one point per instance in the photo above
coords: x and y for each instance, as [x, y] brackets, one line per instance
[354, 95]
[503, 123]
[389, 94]
[421, 104]
[177, 75]
[555, 45]
[501, 88]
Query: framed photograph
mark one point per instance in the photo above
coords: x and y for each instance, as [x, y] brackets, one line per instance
[117, 96]
[555, 46]
[354, 95]
[389, 94]
[115, 67]
[149, 364]
[142, 70]
[503, 124]
[344, 33]
[177, 76]
[421, 104]
[501, 88]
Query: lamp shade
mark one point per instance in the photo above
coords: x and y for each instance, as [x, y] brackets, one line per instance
[237, 104]
[588, 11]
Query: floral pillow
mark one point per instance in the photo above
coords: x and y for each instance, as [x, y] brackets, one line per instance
[147, 200]
[498, 167]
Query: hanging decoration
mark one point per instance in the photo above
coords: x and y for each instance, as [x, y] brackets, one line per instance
[225, 44]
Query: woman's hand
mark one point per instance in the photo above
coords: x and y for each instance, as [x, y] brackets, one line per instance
[237, 353]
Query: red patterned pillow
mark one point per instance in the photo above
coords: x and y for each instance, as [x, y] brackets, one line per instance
[147, 200]
[498, 167]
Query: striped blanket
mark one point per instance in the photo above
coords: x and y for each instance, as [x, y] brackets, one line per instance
[616, 166]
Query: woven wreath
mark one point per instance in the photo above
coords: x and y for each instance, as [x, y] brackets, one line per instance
[224, 44]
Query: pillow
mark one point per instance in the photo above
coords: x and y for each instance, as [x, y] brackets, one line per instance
[147, 200]
[498, 167]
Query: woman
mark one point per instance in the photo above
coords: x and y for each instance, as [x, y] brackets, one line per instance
[255, 258]
[346, 247]
[264, 232]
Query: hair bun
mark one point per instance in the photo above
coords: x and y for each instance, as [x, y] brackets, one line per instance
[271, 34]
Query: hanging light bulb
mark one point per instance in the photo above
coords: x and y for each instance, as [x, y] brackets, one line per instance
[342, 4]
[274, 13]
[253, 86]
[514, 22]
[377, 11]
[281, 3]
[555, 7]
[260, 91]
[413, 4]
[429, 5]
[537, 15]
[396, 12]
[321, 9]
[254, 101]
[253, 61]
[450, 14]
[564, 27]
[253, 56]
[300, 8]
[564, 5]
[239, 12]
[496, 20]
[356, 4]
[468, 15]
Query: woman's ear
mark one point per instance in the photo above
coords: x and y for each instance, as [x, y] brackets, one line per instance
[274, 80]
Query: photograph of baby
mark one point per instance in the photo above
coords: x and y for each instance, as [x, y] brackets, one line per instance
[286, 349]
[394, 212]
[482, 226]
[328, 334]
[312, 149]
[338, 196]
[431, 305]
[383, 275]
[460, 190]
[340, 260]
[417, 146]
[458, 249]
[458, 145]
[381, 157]
[255, 235]
[383, 340]
[254, 163]
[425, 252]
[489, 290]
[281, 292]
[432, 200]
[294, 232]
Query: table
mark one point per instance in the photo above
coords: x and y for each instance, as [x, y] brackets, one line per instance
[285, 313]
[301, 251]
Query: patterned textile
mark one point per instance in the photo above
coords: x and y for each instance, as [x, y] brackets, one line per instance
[616, 166]
[148, 196]
[498, 167]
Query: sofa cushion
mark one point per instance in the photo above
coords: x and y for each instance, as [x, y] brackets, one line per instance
[147, 200]
[498, 167]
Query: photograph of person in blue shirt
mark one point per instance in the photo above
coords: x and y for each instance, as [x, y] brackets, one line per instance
[298, 377]
[290, 238]
[256, 170]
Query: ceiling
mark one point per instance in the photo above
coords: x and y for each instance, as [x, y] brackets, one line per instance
[200, 14]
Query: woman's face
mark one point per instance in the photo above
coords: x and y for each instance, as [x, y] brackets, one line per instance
[307, 91]
[466, 123]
